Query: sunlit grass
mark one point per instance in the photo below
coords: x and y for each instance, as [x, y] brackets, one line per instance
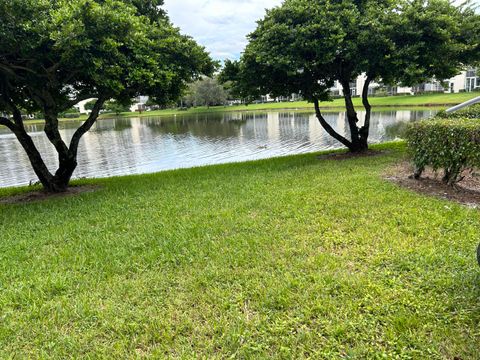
[284, 258]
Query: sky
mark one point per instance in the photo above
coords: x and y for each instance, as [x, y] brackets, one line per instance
[219, 25]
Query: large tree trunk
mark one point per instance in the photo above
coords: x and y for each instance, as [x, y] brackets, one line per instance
[67, 155]
[359, 144]
[358, 136]
[365, 130]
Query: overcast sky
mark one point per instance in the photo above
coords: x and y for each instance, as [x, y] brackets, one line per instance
[220, 25]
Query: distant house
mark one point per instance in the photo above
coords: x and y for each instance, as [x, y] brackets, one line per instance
[139, 104]
[472, 79]
[81, 106]
[466, 81]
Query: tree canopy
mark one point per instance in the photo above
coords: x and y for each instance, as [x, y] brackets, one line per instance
[206, 92]
[304, 46]
[54, 54]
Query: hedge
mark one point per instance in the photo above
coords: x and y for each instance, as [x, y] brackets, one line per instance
[451, 144]
[472, 112]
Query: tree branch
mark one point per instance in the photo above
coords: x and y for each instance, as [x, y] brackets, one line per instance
[7, 123]
[327, 126]
[17, 115]
[86, 125]
[352, 116]
[365, 130]
[51, 130]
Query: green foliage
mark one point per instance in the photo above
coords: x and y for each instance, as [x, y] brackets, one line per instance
[304, 45]
[117, 107]
[93, 48]
[247, 261]
[235, 79]
[71, 113]
[206, 92]
[90, 105]
[471, 112]
[451, 145]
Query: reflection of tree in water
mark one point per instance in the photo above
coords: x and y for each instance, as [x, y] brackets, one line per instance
[396, 130]
[116, 124]
[201, 125]
[122, 124]
[254, 116]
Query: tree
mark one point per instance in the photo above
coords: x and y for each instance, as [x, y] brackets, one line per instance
[54, 54]
[117, 107]
[206, 92]
[304, 46]
[234, 78]
[90, 105]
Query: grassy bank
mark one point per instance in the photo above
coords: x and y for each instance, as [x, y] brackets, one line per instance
[283, 258]
[380, 102]
[417, 102]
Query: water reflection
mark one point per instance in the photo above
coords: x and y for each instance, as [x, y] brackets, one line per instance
[142, 145]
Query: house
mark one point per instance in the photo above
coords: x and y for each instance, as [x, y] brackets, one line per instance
[139, 104]
[466, 81]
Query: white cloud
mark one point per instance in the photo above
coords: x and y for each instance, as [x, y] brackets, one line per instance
[220, 25]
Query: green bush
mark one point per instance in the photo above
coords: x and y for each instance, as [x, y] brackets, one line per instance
[449, 144]
[472, 112]
[70, 115]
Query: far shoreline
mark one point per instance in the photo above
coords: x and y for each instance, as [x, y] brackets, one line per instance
[387, 103]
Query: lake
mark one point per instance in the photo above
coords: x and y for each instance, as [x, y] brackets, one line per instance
[143, 145]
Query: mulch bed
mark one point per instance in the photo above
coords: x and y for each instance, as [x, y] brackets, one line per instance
[40, 195]
[466, 192]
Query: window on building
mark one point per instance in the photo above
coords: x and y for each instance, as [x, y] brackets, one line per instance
[471, 73]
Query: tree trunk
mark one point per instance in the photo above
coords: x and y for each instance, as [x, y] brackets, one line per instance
[359, 136]
[67, 156]
[365, 130]
[34, 156]
[51, 183]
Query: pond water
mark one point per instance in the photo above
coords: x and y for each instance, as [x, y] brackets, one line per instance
[144, 145]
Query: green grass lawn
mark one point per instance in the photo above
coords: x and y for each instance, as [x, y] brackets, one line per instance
[285, 258]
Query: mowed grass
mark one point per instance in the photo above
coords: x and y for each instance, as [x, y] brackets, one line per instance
[285, 258]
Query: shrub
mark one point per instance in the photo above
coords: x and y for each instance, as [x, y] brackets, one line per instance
[450, 144]
[472, 112]
[70, 115]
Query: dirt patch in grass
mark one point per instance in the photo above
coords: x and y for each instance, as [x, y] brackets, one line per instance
[466, 192]
[40, 195]
[349, 155]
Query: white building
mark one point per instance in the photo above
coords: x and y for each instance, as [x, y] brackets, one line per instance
[466, 81]
[472, 79]
[139, 104]
[81, 106]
